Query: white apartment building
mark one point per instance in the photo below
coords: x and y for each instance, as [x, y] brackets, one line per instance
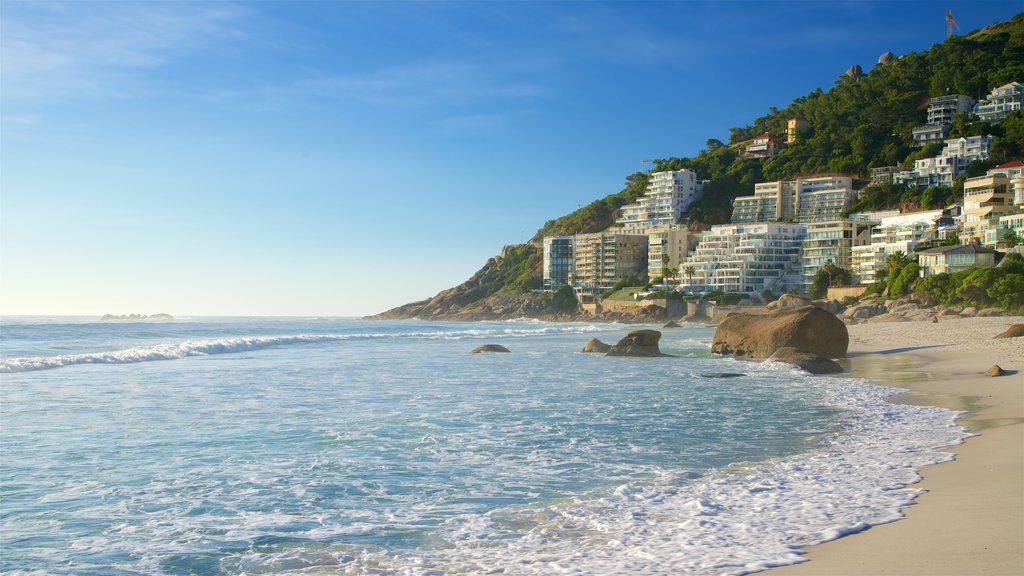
[943, 169]
[668, 196]
[833, 240]
[667, 247]
[1001, 102]
[801, 200]
[899, 233]
[746, 258]
[941, 111]
[603, 258]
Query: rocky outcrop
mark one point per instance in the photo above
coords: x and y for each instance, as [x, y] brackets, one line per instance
[831, 306]
[672, 324]
[807, 328]
[789, 301]
[595, 345]
[988, 312]
[642, 343]
[995, 370]
[807, 361]
[490, 348]
[722, 375]
[1014, 331]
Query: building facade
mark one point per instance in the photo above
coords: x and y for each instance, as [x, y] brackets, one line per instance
[832, 240]
[559, 261]
[667, 198]
[943, 169]
[802, 200]
[941, 111]
[603, 258]
[952, 259]
[900, 233]
[746, 258]
[795, 127]
[764, 146]
[1000, 102]
[986, 199]
[667, 247]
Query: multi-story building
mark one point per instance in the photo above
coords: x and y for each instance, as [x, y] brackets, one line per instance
[558, 261]
[1000, 102]
[833, 240]
[795, 127]
[943, 169]
[746, 258]
[668, 196]
[667, 247]
[603, 258]
[764, 146]
[951, 259]
[941, 111]
[899, 233]
[802, 200]
[986, 199]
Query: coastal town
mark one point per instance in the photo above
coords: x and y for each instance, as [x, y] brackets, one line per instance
[789, 233]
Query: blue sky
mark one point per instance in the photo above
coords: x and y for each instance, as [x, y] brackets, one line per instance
[341, 158]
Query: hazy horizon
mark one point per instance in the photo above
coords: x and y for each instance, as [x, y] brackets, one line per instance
[342, 158]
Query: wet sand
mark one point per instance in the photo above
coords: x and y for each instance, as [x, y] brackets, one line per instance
[971, 519]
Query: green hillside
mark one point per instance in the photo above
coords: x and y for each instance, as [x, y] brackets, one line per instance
[854, 126]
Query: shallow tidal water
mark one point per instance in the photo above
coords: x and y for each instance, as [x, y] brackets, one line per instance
[339, 446]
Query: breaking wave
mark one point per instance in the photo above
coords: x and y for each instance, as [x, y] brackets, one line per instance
[188, 348]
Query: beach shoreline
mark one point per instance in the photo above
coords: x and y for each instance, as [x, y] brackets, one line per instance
[970, 518]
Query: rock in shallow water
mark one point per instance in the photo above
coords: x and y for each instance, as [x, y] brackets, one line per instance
[641, 343]
[808, 328]
[722, 375]
[595, 345]
[490, 348]
[805, 360]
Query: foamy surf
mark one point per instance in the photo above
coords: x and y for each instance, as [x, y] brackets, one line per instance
[191, 348]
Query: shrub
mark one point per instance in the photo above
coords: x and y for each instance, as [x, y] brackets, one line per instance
[1008, 291]
[903, 282]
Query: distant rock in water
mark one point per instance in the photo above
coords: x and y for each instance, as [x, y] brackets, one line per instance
[490, 348]
[595, 345]
[672, 324]
[160, 316]
[722, 375]
[641, 343]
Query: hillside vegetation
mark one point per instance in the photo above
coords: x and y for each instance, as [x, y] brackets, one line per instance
[856, 125]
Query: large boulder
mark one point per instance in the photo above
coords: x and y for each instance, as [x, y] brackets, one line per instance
[987, 312]
[808, 361]
[792, 301]
[1014, 331]
[643, 343]
[807, 328]
[490, 348]
[595, 345]
[672, 324]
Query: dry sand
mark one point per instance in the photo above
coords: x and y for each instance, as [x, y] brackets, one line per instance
[971, 520]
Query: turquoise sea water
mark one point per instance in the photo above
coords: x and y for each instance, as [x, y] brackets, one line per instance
[331, 446]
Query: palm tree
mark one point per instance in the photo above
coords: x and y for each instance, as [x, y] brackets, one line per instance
[689, 275]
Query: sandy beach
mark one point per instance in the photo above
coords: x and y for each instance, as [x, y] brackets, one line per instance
[971, 519]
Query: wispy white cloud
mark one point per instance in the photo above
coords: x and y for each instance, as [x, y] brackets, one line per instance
[423, 85]
[60, 50]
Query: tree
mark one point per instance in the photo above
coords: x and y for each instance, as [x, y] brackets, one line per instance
[1011, 239]
[713, 144]
[689, 276]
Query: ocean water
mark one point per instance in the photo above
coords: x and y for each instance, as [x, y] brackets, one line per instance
[334, 446]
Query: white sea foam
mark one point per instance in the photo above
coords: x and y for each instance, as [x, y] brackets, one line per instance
[735, 521]
[189, 348]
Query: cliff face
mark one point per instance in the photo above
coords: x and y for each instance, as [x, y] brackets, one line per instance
[502, 289]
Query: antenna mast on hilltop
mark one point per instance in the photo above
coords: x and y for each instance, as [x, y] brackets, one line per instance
[950, 22]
